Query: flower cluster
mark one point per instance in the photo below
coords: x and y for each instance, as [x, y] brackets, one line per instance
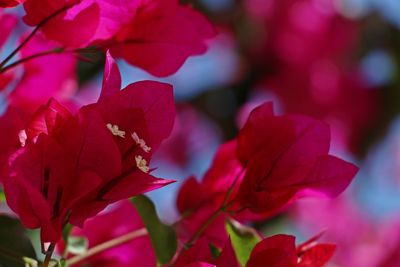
[70, 167]
[274, 161]
[79, 172]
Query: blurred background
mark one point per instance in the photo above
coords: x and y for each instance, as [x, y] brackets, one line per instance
[336, 60]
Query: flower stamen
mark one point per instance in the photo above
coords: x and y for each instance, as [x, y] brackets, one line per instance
[140, 142]
[141, 163]
[114, 129]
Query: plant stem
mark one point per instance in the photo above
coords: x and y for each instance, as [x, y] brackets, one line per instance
[107, 245]
[203, 227]
[49, 253]
[222, 209]
[30, 36]
[13, 53]
[23, 60]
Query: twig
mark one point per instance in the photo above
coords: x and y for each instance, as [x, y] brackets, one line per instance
[107, 245]
[30, 36]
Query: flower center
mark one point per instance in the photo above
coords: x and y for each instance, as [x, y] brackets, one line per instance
[140, 142]
[141, 163]
[114, 129]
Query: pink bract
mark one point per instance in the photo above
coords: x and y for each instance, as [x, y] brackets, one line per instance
[41, 80]
[102, 19]
[162, 35]
[10, 3]
[281, 251]
[72, 166]
[157, 36]
[199, 255]
[286, 157]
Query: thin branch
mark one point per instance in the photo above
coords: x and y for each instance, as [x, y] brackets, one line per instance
[23, 60]
[30, 36]
[49, 254]
[107, 245]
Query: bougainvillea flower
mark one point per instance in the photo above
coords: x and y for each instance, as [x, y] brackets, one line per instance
[10, 3]
[10, 127]
[200, 255]
[217, 180]
[72, 166]
[194, 220]
[192, 140]
[380, 248]
[101, 19]
[281, 251]
[344, 100]
[162, 35]
[116, 222]
[314, 72]
[274, 160]
[287, 157]
[157, 36]
[200, 200]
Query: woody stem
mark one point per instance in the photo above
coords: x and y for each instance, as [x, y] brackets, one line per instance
[224, 206]
[107, 245]
[49, 253]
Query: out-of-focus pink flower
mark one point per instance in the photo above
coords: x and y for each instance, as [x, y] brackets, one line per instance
[162, 35]
[301, 32]
[191, 138]
[310, 48]
[361, 240]
[72, 166]
[157, 36]
[119, 220]
[341, 99]
[287, 157]
[41, 80]
[84, 22]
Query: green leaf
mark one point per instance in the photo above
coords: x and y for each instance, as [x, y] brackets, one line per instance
[2, 196]
[14, 243]
[243, 240]
[77, 245]
[66, 232]
[163, 237]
